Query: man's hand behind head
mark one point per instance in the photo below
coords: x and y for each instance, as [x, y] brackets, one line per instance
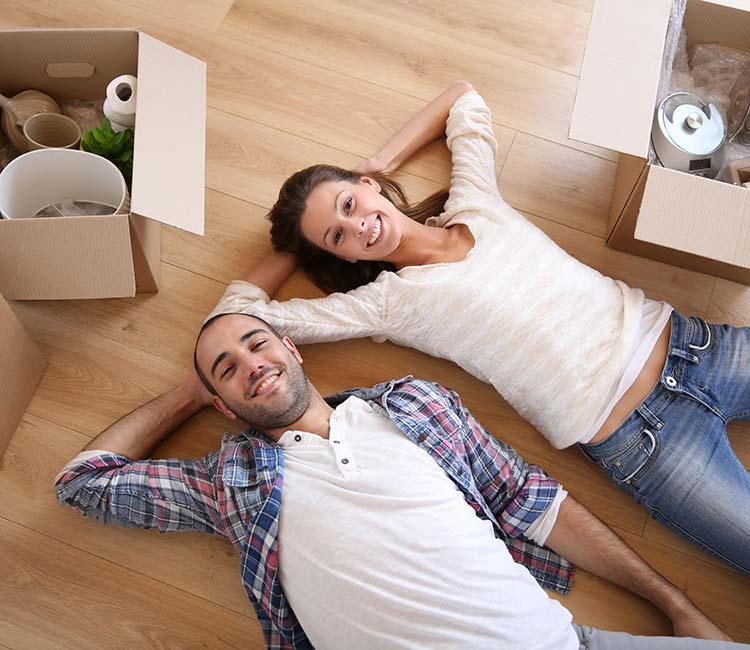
[192, 385]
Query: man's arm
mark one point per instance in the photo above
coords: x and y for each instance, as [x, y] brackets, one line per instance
[420, 130]
[138, 433]
[107, 482]
[587, 542]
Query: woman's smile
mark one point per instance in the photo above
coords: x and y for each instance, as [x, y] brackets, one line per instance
[377, 232]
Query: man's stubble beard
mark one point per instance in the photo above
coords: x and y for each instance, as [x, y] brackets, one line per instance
[289, 410]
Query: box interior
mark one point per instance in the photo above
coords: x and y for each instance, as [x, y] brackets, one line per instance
[717, 22]
[67, 63]
[122, 254]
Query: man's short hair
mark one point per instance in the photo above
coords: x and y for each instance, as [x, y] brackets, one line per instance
[205, 326]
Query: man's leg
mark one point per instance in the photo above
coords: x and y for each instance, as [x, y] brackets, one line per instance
[593, 639]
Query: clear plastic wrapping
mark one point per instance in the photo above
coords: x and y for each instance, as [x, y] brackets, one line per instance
[708, 70]
[87, 114]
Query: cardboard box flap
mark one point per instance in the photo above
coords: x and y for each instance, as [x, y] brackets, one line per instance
[616, 95]
[170, 136]
[21, 368]
[66, 257]
[696, 215]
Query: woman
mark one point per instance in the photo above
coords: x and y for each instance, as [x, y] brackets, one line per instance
[586, 359]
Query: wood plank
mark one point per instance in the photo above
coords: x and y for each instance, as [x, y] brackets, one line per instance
[730, 303]
[722, 594]
[583, 5]
[369, 46]
[559, 183]
[282, 92]
[251, 161]
[600, 604]
[58, 598]
[39, 450]
[207, 14]
[540, 31]
[237, 237]
[165, 323]
[91, 380]
[738, 432]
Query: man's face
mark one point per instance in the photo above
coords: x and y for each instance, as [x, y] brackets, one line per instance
[258, 377]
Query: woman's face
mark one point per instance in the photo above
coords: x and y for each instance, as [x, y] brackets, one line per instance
[352, 220]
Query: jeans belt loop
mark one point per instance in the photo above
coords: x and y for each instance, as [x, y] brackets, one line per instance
[647, 414]
[687, 356]
[704, 327]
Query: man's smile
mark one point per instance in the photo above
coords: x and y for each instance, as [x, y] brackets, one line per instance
[266, 383]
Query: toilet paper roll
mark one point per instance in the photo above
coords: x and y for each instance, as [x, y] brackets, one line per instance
[119, 121]
[121, 96]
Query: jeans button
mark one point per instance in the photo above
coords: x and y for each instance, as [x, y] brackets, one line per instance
[671, 381]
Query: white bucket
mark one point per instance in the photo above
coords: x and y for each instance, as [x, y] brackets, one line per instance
[47, 177]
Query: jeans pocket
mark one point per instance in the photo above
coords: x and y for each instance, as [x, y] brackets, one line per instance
[626, 465]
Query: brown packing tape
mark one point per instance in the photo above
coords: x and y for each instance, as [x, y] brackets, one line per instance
[21, 368]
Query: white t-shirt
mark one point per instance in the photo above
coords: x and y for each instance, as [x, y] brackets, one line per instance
[552, 335]
[379, 549]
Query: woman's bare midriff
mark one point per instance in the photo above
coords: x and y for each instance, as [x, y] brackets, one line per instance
[641, 387]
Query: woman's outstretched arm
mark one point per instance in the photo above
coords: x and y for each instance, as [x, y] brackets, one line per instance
[271, 272]
[423, 128]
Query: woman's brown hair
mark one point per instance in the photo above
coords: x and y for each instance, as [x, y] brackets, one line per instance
[327, 271]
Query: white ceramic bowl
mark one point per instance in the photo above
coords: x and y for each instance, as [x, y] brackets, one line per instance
[44, 177]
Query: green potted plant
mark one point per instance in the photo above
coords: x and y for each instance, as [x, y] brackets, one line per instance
[117, 147]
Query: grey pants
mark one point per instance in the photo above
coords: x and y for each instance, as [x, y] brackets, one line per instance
[593, 639]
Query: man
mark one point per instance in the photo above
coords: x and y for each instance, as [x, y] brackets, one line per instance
[404, 523]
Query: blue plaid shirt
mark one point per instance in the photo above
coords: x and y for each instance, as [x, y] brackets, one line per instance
[236, 492]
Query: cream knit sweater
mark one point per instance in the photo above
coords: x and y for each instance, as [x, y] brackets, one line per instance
[549, 333]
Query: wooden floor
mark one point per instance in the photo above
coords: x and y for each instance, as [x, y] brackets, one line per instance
[291, 83]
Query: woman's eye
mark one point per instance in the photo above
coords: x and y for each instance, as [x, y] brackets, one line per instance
[337, 238]
[348, 205]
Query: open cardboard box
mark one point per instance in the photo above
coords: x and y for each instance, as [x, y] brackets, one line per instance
[109, 256]
[675, 217]
[21, 368]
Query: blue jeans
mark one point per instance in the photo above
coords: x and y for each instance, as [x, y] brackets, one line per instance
[672, 453]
